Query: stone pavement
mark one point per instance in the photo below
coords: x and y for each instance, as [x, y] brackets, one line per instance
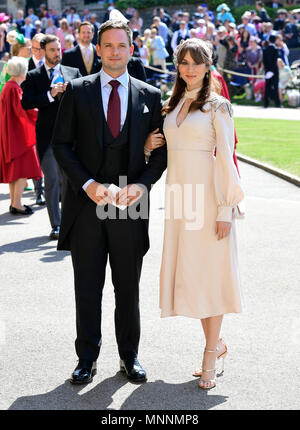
[37, 318]
[269, 113]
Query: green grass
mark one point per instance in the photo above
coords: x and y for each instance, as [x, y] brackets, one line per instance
[276, 142]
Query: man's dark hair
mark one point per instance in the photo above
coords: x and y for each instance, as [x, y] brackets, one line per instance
[86, 23]
[272, 38]
[49, 38]
[259, 3]
[113, 24]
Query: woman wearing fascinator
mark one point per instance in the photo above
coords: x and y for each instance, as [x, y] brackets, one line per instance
[199, 275]
[20, 47]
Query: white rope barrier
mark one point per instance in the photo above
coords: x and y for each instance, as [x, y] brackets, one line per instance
[231, 72]
[160, 70]
[245, 75]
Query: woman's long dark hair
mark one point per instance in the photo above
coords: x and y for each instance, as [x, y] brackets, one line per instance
[201, 52]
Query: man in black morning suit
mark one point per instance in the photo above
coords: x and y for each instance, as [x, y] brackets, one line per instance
[270, 55]
[38, 93]
[84, 55]
[101, 128]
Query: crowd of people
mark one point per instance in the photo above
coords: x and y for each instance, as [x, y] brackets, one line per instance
[256, 45]
[238, 46]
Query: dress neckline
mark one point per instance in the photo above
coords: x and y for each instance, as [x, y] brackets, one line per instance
[191, 94]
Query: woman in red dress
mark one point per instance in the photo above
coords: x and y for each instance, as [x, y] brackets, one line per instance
[18, 157]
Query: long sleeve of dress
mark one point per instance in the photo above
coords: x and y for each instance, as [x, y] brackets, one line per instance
[226, 179]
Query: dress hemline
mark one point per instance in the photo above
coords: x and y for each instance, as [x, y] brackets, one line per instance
[185, 314]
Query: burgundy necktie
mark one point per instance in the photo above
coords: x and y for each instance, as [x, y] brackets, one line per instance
[114, 110]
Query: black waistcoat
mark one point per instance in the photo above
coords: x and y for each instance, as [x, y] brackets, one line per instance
[116, 152]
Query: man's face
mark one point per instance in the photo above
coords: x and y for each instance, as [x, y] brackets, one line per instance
[86, 34]
[53, 53]
[30, 11]
[114, 51]
[36, 50]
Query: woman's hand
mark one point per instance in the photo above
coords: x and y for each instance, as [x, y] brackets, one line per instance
[154, 140]
[222, 229]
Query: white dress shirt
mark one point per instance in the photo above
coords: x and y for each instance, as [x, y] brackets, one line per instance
[105, 91]
[176, 33]
[28, 29]
[36, 62]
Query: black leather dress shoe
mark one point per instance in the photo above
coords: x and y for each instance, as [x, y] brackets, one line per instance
[84, 372]
[15, 211]
[40, 200]
[54, 233]
[133, 369]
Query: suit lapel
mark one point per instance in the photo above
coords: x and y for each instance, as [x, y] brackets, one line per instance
[137, 109]
[93, 92]
[45, 76]
[65, 74]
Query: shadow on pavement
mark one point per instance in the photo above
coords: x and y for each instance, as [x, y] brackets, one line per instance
[4, 196]
[156, 395]
[36, 244]
[8, 219]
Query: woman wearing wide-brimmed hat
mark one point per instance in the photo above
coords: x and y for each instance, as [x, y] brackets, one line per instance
[223, 13]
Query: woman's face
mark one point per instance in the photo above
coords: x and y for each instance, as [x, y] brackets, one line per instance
[153, 34]
[192, 73]
[68, 44]
[245, 34]
[25, 51]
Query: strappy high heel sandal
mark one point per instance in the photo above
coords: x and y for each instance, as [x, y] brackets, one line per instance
[223, 355]
[207, 384]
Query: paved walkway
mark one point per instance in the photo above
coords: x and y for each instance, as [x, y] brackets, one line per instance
[37, 318]
[269, 113]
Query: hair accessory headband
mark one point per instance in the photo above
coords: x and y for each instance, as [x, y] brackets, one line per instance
[21, 39]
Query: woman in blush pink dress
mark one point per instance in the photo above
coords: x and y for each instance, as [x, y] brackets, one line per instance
[199, 275]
